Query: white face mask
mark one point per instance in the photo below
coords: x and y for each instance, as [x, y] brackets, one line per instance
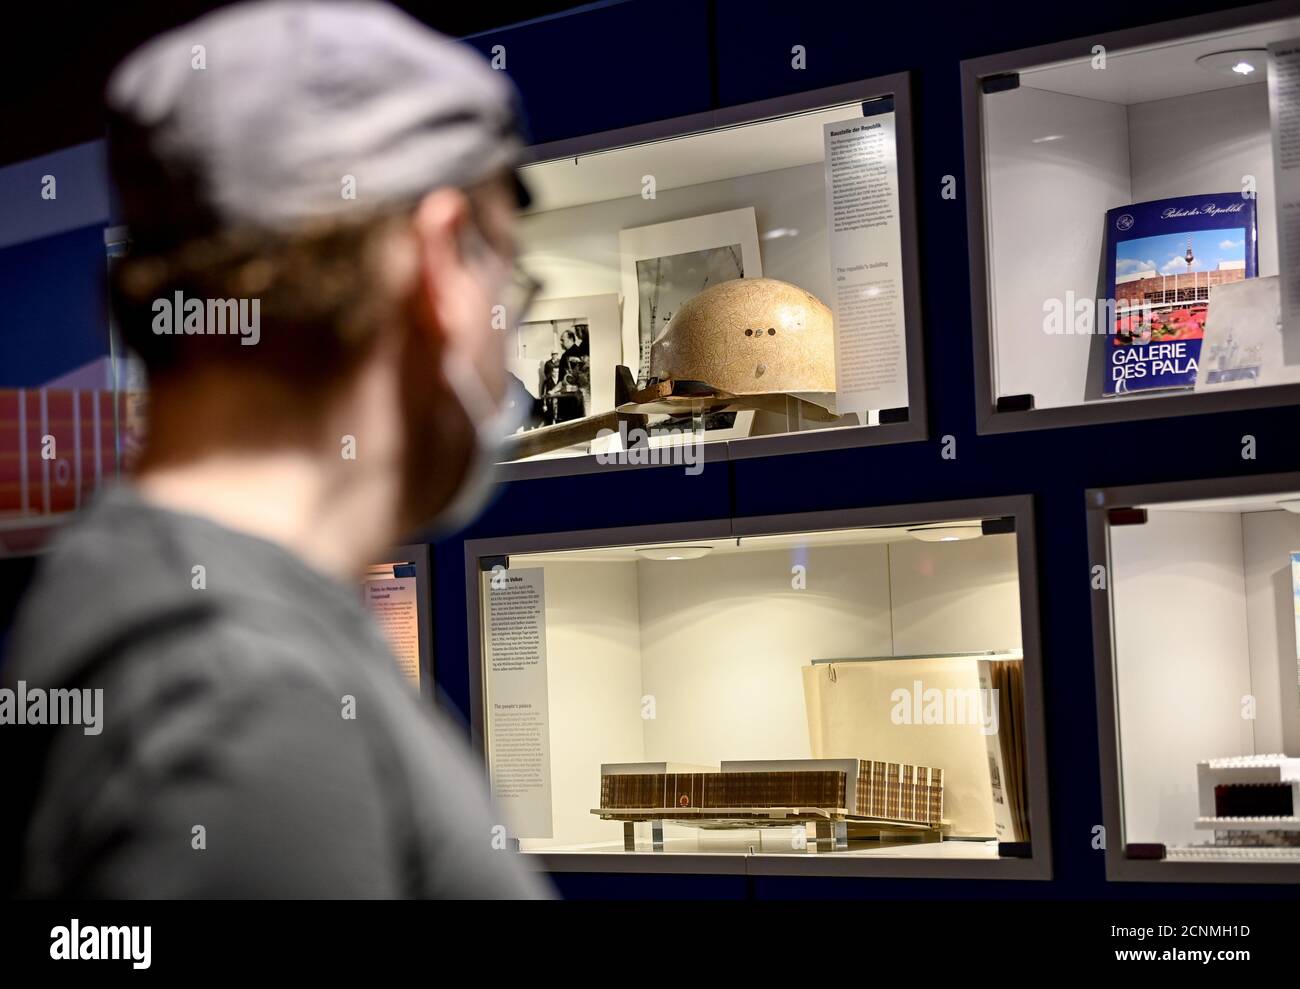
[493, 422]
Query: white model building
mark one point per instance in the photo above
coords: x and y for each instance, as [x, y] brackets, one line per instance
[1250, 801]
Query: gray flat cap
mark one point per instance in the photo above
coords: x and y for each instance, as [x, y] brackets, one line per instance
[267, 114]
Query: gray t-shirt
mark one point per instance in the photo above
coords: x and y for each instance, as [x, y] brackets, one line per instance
[227, 765]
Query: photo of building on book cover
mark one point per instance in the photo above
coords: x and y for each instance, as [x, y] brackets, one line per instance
[1165, 257]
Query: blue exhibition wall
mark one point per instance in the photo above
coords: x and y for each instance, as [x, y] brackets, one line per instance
[643, 60]
[53, 264]
[608, 65]
[55, 315]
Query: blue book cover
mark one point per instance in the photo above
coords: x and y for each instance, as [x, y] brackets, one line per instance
[1162, 260]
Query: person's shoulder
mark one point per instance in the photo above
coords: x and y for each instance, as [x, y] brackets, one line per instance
[218, 658]
[245, 736]
[101, 581]
[210, 692]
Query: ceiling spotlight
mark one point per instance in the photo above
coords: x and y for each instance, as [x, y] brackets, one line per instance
[674, 552]
[946, 533]
[1241, 63]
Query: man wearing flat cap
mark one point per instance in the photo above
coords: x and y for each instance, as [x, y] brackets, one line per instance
[339, 180]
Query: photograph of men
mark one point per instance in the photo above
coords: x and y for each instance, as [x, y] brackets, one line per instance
[563, 377]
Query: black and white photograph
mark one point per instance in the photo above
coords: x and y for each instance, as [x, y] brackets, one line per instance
[665, 264]
[664, 283]
[551, 360]
[562, 357]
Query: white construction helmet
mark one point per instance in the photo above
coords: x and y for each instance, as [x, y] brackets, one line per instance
[749, 336]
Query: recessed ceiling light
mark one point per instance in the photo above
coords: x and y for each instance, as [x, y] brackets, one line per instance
[674, 552]
[1240, 63]
[946, 533]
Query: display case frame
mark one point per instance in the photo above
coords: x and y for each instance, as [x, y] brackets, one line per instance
[1032, 860]
[1002, 414]
[1100, 503]
[914, 426]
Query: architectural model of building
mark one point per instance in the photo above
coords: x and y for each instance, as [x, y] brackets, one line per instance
[1250, 801]
[777, 790]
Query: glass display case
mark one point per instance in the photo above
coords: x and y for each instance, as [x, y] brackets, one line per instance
[852, 693]
[742, 282]
[1124, 204]
[1196, 603]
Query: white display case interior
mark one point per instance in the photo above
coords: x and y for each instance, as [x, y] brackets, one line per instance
[1058, 136]
[1199, 681]
[633, 223]
[902, 644]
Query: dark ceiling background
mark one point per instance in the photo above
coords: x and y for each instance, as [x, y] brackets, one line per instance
[55, 57]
